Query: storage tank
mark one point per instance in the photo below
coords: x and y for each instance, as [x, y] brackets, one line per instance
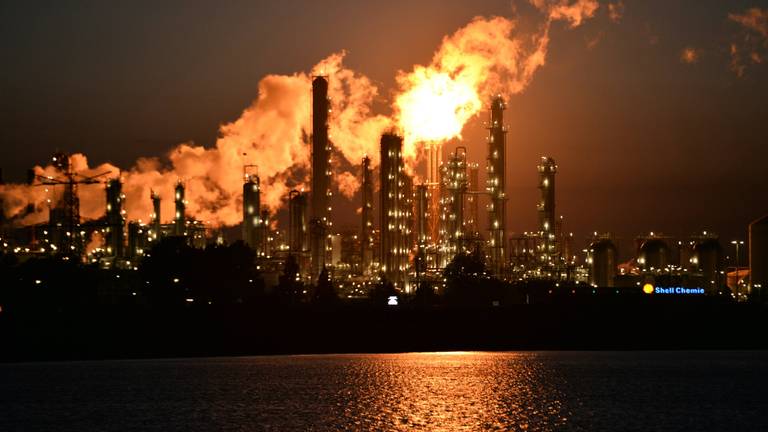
[708, 257]
[758, 258]
[603, 266]
[653, 254]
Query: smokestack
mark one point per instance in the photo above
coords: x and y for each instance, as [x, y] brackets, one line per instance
[366, 242]
[251, 216]
[394, 213]
[321, 175]
[179, 228]
[114, 218]
[546, 207]
[155, 216]
[496, 187]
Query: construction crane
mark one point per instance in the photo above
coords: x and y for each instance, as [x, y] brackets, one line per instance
[64, 216]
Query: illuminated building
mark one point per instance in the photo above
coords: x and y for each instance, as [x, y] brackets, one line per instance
[115, 222]
[156, 213]
[251, 213]
[454, 185]
[394, 211]
[138, 239]
[496, 187]
[547, 224]
[366, 239]
[321, 176]
[472, 203]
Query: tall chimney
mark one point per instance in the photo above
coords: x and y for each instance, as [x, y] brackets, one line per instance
[321, 173]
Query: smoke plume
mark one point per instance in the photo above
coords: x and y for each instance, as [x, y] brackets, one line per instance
[431, 104]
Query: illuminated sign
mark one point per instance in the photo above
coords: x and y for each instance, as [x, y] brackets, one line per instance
[648, 288]
[678, 290]
[392, 301]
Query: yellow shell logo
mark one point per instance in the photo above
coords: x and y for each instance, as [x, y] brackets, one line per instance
[648, 288]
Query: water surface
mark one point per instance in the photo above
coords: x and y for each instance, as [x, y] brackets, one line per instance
[419, 391]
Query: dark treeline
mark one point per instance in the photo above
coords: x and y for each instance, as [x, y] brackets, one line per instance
[182, 301]
[176, 275]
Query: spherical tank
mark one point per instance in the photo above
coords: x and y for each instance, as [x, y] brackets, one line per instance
[603, 262]
[758, 258]
[654, 254]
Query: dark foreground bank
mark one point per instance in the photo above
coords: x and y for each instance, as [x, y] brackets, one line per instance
[209, 330]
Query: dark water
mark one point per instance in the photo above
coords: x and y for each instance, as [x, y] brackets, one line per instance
[421, 391]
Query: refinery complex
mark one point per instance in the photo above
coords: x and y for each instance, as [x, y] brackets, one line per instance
[423, 223]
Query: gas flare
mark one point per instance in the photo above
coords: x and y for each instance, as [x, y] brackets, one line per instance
[485, 58]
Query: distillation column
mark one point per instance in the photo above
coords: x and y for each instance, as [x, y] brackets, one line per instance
[251, 212]
[546, 207]
[394, 213]
[496, 187]
[115, 220]
[366, 238]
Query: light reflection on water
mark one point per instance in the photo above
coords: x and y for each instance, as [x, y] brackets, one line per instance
[418, 391]
[471, 391]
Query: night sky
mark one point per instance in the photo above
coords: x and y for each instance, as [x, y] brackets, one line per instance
[644, 140]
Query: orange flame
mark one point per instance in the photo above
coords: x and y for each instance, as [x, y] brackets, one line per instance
[478, 61]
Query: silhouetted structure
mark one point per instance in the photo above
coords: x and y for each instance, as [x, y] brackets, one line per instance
[179, 220]
[366, 238]
[251, 212]
[321, 175]
[454, 186]
[298, 235]
[546, 207]
[496, 187]
[602, 261]
[394, 211]
[114, 218]
[156, 214]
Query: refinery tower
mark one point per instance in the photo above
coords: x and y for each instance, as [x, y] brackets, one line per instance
[496, 186]
[320, 223]
[395, 211]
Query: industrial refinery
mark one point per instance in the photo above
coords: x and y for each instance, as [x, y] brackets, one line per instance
[424, 221]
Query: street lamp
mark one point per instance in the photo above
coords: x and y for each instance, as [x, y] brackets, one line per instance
[737, 243]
